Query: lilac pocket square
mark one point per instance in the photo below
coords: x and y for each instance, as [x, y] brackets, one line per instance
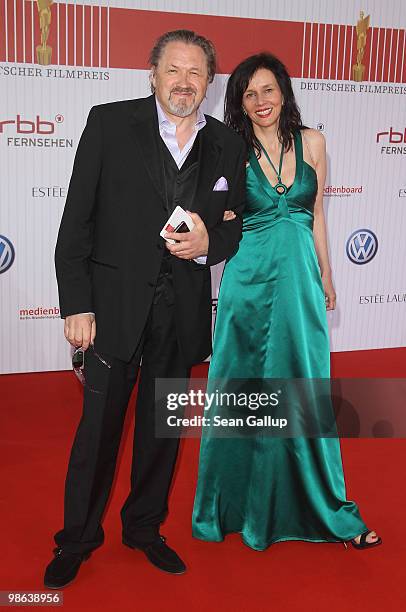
[221, 184]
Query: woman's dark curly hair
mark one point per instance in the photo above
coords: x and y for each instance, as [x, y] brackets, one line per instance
[234, 117]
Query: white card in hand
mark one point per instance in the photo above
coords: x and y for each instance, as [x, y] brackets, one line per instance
[178, 217]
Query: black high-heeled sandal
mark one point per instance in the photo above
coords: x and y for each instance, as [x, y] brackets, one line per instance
[363, 541]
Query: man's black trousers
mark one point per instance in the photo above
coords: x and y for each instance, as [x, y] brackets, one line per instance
[94, 452]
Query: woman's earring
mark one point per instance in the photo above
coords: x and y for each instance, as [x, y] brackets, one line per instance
[244, 111]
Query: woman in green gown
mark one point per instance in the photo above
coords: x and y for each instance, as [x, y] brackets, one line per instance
[271, 323]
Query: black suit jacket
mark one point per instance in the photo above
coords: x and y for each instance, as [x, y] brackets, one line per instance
[109, 252]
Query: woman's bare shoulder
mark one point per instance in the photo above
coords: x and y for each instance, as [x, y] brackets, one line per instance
[314, 137]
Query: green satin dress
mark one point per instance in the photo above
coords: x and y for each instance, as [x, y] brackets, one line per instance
[271, 323]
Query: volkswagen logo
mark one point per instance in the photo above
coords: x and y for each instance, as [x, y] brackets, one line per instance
[6, 254]
[362, 246]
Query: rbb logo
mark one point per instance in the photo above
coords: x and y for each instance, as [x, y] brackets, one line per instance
[24, 126]
[394, 137]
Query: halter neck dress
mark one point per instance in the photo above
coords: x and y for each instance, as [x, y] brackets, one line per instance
[271, 323]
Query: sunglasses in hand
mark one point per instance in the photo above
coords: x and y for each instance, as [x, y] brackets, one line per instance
[78, 362]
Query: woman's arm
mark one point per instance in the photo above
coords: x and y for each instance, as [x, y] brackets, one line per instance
[316, 147]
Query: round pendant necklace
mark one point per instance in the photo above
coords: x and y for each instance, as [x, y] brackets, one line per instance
[280, 187]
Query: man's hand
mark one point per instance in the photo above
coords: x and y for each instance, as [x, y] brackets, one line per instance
[229, 215]
[191, 244]
[80, 330]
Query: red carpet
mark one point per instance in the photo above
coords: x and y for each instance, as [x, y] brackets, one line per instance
[39, 415]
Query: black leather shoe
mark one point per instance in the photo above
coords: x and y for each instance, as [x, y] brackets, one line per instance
[160, 555]
[63, 568]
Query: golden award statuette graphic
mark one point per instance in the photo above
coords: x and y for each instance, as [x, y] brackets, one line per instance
[44, 53]
[362, 30]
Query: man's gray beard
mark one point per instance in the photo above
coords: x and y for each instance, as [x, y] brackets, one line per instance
[181, 110]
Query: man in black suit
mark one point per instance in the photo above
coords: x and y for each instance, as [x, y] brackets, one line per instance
[137, 160]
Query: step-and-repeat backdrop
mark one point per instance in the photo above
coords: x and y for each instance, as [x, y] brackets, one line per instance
[348, 65]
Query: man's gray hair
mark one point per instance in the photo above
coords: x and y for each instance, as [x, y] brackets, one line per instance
[190, 38]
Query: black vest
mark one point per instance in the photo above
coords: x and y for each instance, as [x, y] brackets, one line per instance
[180, 185]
